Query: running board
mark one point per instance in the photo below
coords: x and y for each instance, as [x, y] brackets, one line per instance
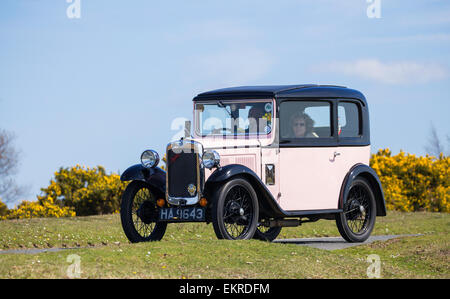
[289, 222]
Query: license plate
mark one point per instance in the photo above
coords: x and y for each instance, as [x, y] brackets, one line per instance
[182, 214]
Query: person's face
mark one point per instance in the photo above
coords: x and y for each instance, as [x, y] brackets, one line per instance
[299, 127]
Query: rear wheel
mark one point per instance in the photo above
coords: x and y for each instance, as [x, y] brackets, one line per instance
[139, 214]
[357, 220]
[235, 210]
[265, 233]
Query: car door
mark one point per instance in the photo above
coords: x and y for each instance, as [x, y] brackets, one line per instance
[308, 173]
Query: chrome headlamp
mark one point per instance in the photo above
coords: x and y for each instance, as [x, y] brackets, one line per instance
[211, 159]
[149, 159]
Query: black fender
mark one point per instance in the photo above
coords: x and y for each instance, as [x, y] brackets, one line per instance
[365, 171]
[155, 177]
[268, 205]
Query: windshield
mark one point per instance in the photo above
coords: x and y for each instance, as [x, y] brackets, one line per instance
[234, 118]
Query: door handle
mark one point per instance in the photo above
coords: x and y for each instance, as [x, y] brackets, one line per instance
[334, 156]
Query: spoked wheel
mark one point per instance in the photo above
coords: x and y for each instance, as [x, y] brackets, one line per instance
[139, 214]
[235, 210]
[357, 220]
[266, 233]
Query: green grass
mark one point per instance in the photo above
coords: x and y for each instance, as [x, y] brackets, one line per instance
[193, 251]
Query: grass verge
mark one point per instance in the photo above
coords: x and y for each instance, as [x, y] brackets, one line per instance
[192, 251]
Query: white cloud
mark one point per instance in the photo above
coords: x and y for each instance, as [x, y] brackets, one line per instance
[406, 72]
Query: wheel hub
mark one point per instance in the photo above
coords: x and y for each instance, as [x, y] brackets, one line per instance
[237, 214]
[354, 210]
[235, 208]
[362, 209]
[146, 212]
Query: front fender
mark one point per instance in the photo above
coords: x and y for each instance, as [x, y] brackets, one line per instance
[369, 174]
[224, 173]
[155, 177]
[268, 205]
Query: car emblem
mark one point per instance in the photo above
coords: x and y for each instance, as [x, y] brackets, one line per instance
[174, 158]
[191, 189]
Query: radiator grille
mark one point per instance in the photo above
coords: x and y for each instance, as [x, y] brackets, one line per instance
[182, 171]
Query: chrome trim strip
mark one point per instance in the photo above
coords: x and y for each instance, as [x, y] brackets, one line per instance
[184, 200]
[197, 146]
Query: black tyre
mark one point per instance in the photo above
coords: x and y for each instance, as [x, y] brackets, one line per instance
[269, 234]
[138, 213]
[356, 222]
[235, 210]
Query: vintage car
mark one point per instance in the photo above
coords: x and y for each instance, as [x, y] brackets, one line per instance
[260, 158]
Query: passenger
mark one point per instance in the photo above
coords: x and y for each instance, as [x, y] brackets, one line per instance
[302, 125]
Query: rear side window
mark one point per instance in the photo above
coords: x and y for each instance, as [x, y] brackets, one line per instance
[305, 119]
[349, 122]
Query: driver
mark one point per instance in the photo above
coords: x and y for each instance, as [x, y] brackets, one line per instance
[302, 125]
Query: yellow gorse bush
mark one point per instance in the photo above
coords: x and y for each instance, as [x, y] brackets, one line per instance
[413, 183]
[74, 191]
[34, 209]
[89, 191]
[3, 210]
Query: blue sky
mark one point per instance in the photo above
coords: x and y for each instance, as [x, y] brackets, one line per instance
[99, 89]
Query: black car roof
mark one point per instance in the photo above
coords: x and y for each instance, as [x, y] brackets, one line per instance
[282, 91]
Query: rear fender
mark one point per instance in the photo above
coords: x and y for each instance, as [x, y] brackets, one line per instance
[365, 171]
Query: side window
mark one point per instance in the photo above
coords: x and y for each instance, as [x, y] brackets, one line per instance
[349, 124]
[305, 119]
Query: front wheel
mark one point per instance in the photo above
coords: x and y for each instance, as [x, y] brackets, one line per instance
[357, 220]
[139, 214]
[235, 210]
